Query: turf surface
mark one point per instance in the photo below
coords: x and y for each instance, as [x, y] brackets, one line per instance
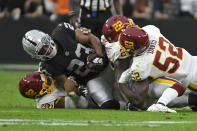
[20, 114]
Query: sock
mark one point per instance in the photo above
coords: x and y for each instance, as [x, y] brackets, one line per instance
[168, 95]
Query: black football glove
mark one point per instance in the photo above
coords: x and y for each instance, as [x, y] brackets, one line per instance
[96, 63]
[82, 91]
[131, 107]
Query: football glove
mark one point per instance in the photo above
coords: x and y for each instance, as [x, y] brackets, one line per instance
[95, 62]
[131, 107]
[82, 91]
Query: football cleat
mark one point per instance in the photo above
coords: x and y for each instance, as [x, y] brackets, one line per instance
[160, 108]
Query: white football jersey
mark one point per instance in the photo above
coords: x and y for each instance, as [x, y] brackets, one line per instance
[113, 50]
[71, 100]
[162, 59]
[50, 98]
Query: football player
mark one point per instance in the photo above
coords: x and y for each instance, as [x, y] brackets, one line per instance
[73, 57]
[38, 86]
[119, 59]
[154, 56]
[111, 31]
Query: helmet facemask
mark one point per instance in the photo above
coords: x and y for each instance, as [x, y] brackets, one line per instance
[39, 45]
[47, 49]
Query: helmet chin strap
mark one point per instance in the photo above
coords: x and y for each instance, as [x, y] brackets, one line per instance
[54, 52]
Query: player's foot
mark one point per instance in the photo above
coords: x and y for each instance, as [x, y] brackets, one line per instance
[160, 108]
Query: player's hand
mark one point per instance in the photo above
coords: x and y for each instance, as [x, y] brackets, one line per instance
[95, 62]
[70, 84]
[84, 30]
[131, 107]
[82, 91]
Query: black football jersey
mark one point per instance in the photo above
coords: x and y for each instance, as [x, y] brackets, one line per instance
[71, 57]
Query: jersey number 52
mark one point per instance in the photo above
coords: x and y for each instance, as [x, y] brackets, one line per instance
[175, 55]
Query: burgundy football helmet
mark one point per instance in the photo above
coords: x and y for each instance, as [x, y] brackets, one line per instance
[36, 84]
[114, 26]
[134, 40]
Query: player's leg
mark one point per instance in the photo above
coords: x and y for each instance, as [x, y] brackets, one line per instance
[82, 102]
[101, 93]
[167, 95]
[192, 100]
[189, 98]
[181, 101]
[100, 90]
[156, 89]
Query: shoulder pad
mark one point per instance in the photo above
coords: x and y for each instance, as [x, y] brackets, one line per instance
[151, 28]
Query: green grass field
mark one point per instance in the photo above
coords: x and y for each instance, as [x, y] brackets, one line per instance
[20, 114]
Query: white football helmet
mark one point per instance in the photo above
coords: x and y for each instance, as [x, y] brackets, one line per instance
[39, 45]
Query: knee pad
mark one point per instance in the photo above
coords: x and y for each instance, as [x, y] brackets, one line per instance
[111, 104]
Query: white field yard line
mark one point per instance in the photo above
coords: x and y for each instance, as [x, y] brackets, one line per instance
[59, 122]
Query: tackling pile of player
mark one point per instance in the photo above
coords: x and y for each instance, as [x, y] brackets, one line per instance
[131, 68]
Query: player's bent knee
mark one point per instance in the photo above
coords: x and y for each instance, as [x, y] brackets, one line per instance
[111, 104]
[179, 88]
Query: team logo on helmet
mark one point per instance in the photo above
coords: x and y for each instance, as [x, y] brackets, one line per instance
[129, 45]
[118, 26]
[133, 40]
[114, 26]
